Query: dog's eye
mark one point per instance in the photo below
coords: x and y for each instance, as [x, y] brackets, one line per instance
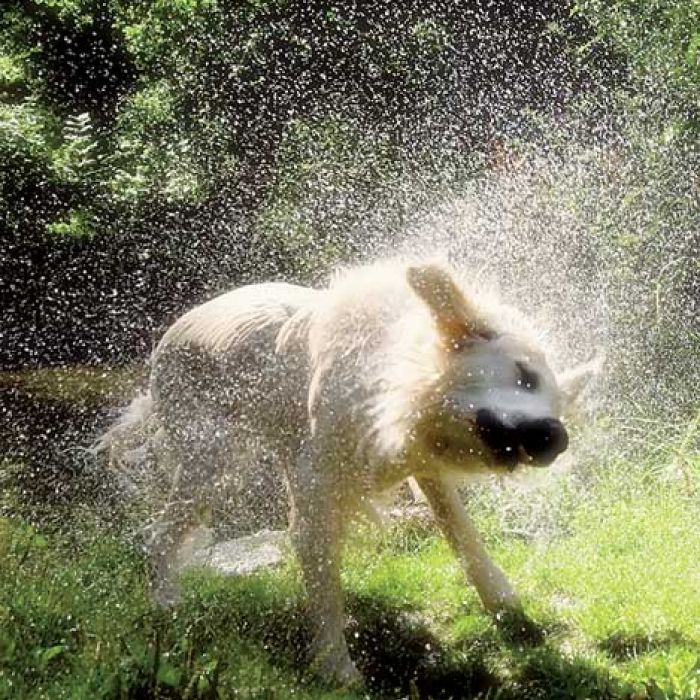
[527, 379]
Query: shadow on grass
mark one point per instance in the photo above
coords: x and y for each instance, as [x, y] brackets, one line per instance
[400, 656]
[623, 646]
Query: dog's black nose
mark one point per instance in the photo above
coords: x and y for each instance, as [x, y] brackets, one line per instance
[543, 439]
[499, 436]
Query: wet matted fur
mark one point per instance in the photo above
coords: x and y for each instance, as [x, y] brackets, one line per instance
[390, 372]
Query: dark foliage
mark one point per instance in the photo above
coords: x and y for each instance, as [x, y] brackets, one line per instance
[143, 142]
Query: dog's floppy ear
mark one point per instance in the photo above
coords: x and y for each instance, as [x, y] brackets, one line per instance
[454, 316]
[574, 381]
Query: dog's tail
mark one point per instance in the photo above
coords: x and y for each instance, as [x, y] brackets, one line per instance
[127, 442]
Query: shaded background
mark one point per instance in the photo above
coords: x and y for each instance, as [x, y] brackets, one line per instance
[153, 153]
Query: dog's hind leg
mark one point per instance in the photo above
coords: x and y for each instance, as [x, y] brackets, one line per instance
[180, 530]
[317, 531]
[490, 582]
[171, 541]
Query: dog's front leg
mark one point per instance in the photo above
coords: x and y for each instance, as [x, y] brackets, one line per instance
[317, 532]
[489, 581]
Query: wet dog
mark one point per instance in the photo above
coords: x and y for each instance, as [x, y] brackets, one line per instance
[393, 371]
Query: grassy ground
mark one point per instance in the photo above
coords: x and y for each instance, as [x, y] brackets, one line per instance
[616, 591]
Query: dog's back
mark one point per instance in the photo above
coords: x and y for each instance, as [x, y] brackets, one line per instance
[220, 361]
[217, 376]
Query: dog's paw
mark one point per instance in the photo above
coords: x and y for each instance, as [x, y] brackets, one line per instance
[518, 628]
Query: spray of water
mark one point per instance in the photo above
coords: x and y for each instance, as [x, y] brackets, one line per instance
[598, 240]
[202, 146]
[594, 233]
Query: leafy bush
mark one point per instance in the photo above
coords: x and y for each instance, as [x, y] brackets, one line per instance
[661, 41]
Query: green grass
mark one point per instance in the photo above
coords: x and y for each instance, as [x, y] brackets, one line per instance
[76, 384]
[616, 592]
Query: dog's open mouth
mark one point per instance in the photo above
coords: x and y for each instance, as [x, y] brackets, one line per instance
[511, 456]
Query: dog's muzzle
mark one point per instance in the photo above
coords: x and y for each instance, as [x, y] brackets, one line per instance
[537, 441]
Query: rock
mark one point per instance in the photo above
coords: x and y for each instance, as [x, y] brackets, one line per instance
[244, 555]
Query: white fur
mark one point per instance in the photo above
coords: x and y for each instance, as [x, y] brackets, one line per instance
[346, 386]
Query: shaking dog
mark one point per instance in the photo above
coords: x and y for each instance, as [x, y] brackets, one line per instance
[393, 371]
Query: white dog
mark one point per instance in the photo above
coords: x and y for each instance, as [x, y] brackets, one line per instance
[393, 371]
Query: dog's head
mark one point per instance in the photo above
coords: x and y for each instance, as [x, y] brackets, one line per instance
[497, 402]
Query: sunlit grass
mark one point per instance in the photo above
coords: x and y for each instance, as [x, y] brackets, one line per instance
[617, 594]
